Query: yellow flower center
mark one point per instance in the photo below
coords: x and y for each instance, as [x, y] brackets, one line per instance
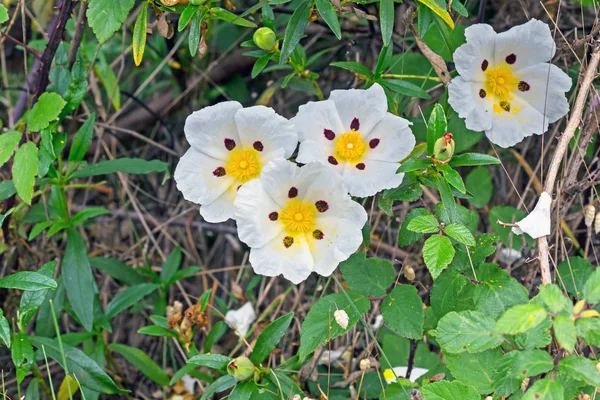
[298, 217]
[243, 165]
[500, 82]
[350, 147]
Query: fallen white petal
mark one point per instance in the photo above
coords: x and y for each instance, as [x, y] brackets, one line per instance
[241, 319]
[400, 372]
[537, 223]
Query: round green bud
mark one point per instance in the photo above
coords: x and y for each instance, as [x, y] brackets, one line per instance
[241, 369]
[265, 38]
[443, 150]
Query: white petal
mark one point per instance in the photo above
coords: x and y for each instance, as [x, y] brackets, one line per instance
[317, 150]
[548, 85]
[263, 124]
[479, 47]
[415, 374]
[207, 129]
[537, 223]
[377, 323]
[376, 176]
[295, 263]
[277, 178]
[531, 43]
[368, 106]
[222, 208]
[509, 128]
[190, 383]
[252, 209]
[321, 183]
[241, 319]
[395, 139]
[316, 116]
[195, 178]
[464, 98]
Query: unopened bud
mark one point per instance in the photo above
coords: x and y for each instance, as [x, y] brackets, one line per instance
[589, 212]
[341, 317]
[443, 150]
[265, 38]
[365, 364]
[409, 273]
[241, 369]
[578, 307]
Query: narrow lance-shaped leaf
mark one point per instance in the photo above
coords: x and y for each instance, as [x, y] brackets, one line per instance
[139, 34]
[327, 11]
[82, 140]
[141, 361]
[295, 30]
[386, 20]
[270, 337]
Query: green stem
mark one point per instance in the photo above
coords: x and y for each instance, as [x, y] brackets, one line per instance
[397, 76]
[60, 346]
[318, 89]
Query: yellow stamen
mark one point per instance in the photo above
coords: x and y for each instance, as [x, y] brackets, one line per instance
[350, 147]
[500, 82]
[243, 165]
[298, 217]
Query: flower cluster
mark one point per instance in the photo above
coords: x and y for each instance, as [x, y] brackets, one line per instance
[296, 220]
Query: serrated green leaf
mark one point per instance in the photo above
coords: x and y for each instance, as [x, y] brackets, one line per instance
[368, 276]
[581, 369]
[591, 289]
[142, 362]
[565, 332]
[460, 233]
[270, 337]
[106, 16]
[3, 14]
[139, 34]
[8, 143]
[445, 390]
[469, 331]
[406, 237]
[295, 30]
[446, 291]
[574, 273]
[402, 311]
[498, 291]
[438, 252]
[521, 318]
[45, 110]
[424, 224]
[474, 370]
[24, 170]
[589, 330]
[554, 299]
[545, 389]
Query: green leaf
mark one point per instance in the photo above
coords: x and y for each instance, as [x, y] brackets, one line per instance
[3, 14]
[368, 276]
[447, 291]
[260, 64]
[472, 159]
[8, 143]
[469, 331]
[545, 389]
[46, 110]
[498, 291]
[82, 140]
[406, 237]
[295, 30]
[319, 326]
[580, 369]
[574, 273]
[126, 165]
[565, 332]
[244, 391]
[78, 279]
[270, 337]
[453, 178]
[228, 16]
[171, 265]
[450, 211]
[537, 337]
[32, 300]
[437, 126]
[128, 298]
[186, 16]
[142, 362]
[22, 355]
[424, 224]
[520, 318]
[554, 299]
[327, 12]
[438, 252]
[460, 233]
[409, 190]
[518, 365]
[474, 369]
[402, 311]
[405, 88]
[106, 16]
[7, 189]
[223, 383]
[117, 269]
[352, 66]
[415, 164]
[155, 330]
[445, 390]
[89, 374]
[589, 330]
[386, 20]
[479, 184]
[4, 329]
[88, 213]
[439, 10]
[24, 170]
[109, 81]
[213, 361]
[27, 280]
[507, 214]
[591, 289]
[139, 34]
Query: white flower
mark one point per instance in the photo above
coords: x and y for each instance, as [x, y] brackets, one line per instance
[241, 319]
[378, 323]
[537, 223]
[341, 317]
[353, 134]
[506, 87]
[230, 145]
[298, 220]
[400, 372]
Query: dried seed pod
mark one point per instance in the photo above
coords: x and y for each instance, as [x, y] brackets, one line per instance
[589, 212]
[409, 273]
[597, 224]
[341, 317]
[365, 364]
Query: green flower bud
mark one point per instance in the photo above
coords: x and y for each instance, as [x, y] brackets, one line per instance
[443, 150]
[241, 369]
[265, 38]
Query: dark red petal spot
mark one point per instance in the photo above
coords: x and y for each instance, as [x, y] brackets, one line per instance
[482, 93]
[505, 106]
[293, 192]
[273, 216]
[329, 134]
[484, 65]
[229, 144]
[361, 166]
[318, 234]
[219, 172]
[537, 395]
[258, 146]
[374, 143]
[322, 206]
[332, 160]
[523, 86]
[238, 188]
[511, 58]
[288, 241]
[355, 125]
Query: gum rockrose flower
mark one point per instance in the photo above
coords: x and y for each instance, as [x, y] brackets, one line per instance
[230, 145]
[298, 220]
[353, 134]
[506, 87]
